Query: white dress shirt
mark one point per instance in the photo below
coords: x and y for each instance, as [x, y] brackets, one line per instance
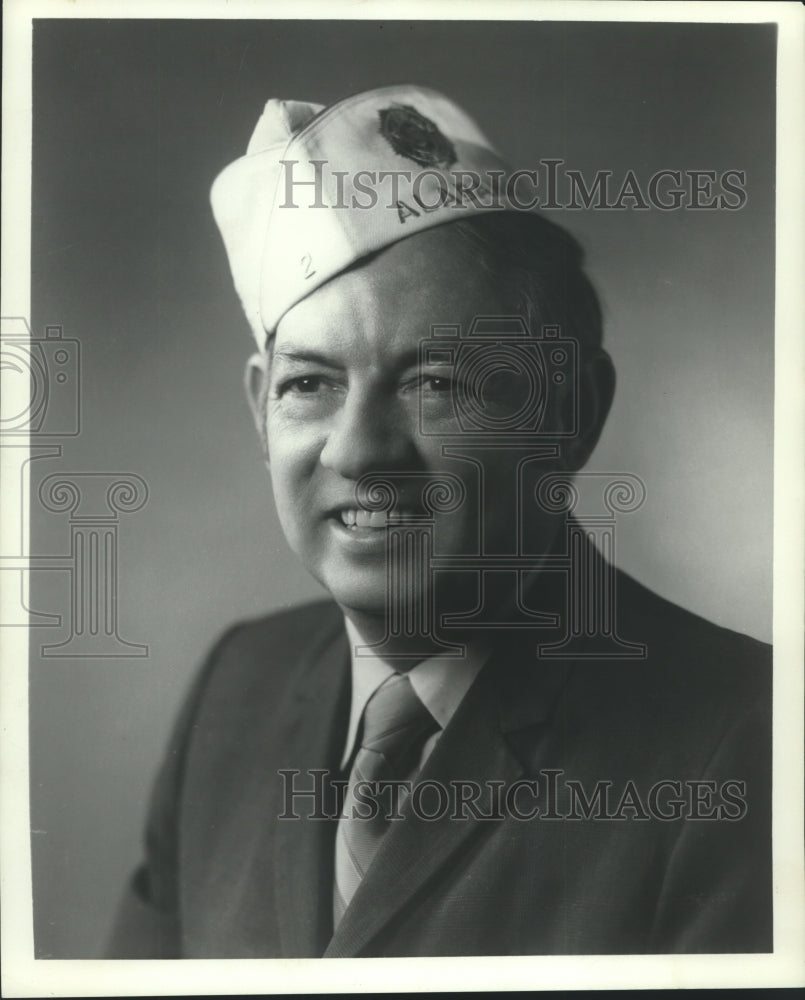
[439, 681]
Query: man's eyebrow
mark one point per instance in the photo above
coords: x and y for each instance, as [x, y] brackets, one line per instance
[290, 353]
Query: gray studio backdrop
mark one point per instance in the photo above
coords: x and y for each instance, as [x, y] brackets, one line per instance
[132, 120]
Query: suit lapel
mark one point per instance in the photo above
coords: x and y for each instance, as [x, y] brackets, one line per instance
[313, 720]
[511, 693]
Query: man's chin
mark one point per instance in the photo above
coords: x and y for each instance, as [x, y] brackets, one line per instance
[370, 598]
[412, 606]
[370, 602]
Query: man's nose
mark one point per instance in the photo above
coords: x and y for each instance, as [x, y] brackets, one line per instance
[367, 436]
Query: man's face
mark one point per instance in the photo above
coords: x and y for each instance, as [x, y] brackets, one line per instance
[347, 397]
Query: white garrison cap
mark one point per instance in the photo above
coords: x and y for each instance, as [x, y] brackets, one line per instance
[318, 189]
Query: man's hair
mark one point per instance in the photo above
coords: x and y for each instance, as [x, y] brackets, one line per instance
[537, 267]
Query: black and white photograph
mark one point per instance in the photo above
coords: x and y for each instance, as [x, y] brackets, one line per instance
[402, 497]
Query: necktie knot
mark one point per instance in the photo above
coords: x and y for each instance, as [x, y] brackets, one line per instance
[396, 723]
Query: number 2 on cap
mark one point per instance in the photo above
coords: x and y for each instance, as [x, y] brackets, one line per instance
[306, 261]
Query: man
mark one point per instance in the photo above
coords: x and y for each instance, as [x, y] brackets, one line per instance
[490, 741]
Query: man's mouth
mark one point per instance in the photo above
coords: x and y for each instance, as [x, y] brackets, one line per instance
[351, 517]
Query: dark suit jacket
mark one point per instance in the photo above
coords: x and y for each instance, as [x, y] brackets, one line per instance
[224, 877]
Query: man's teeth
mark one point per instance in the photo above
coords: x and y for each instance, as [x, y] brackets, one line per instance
[364, 518]
[368, 518]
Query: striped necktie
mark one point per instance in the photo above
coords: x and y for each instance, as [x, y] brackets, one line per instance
[395, 727]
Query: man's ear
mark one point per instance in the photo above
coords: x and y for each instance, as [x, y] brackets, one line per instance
[596, 392]
[253, 381]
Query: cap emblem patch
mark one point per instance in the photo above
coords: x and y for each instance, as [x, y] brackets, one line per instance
[413, 135]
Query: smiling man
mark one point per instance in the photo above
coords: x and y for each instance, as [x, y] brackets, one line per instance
[441, 760]
[341, 393]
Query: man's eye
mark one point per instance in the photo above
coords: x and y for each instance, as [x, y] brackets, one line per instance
[437, 383]
[302, 385]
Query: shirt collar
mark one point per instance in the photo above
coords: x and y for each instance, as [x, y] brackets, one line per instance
[439, 681]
